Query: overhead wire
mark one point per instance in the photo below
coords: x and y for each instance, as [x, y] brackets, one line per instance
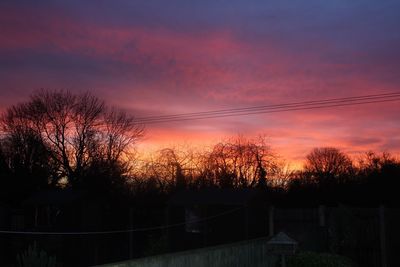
[305, 105]
[272, 111]
[144, 229]
[270, 106]
[280, 106]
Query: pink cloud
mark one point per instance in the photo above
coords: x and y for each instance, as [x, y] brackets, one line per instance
[176, 72]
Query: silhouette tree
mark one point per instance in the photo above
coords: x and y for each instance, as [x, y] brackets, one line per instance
[238, 163]
[242, 163]
[22, 156]
[328, 165]
[378, 175]
[372, 163]
[171, 168]
[74, 131]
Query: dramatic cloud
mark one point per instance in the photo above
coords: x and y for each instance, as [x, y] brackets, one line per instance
[157, 57]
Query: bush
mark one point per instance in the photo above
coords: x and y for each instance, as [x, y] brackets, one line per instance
[311, 259]
[33, 257]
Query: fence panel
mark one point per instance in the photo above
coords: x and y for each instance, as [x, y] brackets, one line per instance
[252, 253]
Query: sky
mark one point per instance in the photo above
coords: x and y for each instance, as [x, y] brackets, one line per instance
[165, 57]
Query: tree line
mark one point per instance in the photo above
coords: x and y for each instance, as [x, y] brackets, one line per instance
[58, 139]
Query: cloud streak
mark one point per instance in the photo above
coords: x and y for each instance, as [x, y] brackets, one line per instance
[152, 59]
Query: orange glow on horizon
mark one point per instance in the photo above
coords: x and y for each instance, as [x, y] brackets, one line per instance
[195, 61]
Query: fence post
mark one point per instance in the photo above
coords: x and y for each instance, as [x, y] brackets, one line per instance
[382, 235]
[167, 232]
[246, 222]
[130, 233]
[321, 215]
[271, 220]
[205, 235]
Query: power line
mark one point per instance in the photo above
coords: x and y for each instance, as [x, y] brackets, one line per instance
[145, 229]
[294, 106]
[272, 111]
[282, 107]
[272, 106]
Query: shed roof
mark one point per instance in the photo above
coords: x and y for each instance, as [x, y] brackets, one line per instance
[281, 238]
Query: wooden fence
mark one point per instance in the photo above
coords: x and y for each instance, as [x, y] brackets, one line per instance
[251, 253]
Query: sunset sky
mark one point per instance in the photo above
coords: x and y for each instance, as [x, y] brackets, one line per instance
[165, 57]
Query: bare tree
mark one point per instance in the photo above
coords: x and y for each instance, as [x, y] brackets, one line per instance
[373, 162]
[171, 168]
[242, 163]
[328, 164]
[76, 130]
